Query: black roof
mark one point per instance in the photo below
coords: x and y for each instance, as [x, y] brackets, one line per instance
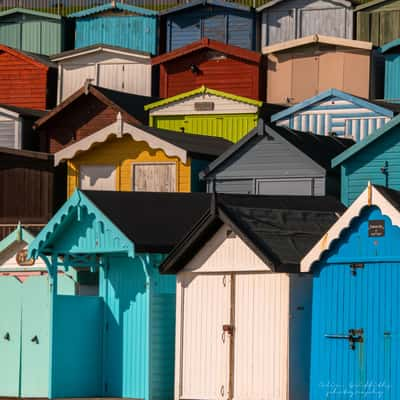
[321, 149]
[279, 229]
[97, 46]
[133, 104]
[39, 57]
[393, 196]
[155, 222]
[24, 112]
[395, 107]
[202, 145]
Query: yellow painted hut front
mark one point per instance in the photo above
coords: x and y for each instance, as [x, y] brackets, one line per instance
[123, 157]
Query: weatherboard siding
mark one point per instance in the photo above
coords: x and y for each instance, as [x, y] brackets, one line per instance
[290, 20]
[123, 153]
[234, 27]
[136, 32]
[366, 166]
[392, 80]
[336, 116]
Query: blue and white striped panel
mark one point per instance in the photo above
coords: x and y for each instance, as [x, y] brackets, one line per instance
[332, 116]
[359, 128]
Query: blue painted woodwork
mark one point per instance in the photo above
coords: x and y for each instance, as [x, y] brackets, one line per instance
[335, 112]
[391, 53]
[368, 300]
[225, 22]
[133, 318]
[117, 25]
[374, 159]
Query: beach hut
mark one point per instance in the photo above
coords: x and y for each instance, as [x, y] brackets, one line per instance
[288, 20]
[34, 31]
[26, 80]
[355, 311]
[334, 112]
[372, 159]
[302, 68]
[117, 24]
[123, 339]
[213, 64]
[243, 313]
[391, 54]
[86, 111]
[226, 22]
[102, 65]
[125, 157]
[32, 189]
[378, 21]
[273, 160]
[16, 127]
[206, 111]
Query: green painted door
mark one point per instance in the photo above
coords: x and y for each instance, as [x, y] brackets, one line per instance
[32, 36]
[10, 35]
[229, 126]
[35, 337]
[10, 335]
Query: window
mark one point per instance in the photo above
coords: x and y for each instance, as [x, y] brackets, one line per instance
[159, 177]
[97, 177]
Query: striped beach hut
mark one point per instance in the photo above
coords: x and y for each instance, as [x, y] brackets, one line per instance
[335, 112]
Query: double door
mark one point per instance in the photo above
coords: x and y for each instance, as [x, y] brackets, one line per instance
[231, 342]
[356, 327]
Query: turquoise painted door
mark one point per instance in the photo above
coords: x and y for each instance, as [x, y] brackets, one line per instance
[355, 337]
[10, 336]
[35, 337]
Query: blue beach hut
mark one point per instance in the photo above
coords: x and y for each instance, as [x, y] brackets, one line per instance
[117, 24]
[356, 313]
[120, 343]
[391, 54]
[334, 112]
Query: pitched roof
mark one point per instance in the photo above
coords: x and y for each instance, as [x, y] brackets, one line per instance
[388, 201]
[39, 60]
[274, 2]
[279, 229]
[202, 90]
[131, 105]
[24, 112]
[332, 93]
[206, 43]
[174, 144]
[365, 142]
[18, 10]
[370, 4]
[196, 3]
[390, 46]
[114, 6]
[26, 154]
[320, 149]
[19, 234]
[328, 40]
[97, 48]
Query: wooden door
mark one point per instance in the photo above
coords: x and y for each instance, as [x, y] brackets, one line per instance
[205, 346]
[149, 177]
[304, 77]
[97, 177]
[279, 26]
[10, 336]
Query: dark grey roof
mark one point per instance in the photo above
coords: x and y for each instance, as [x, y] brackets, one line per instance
[155, 222]
[279, 229]
[26, 154]
[321, 149]
[24, 112]
[39, 57]
[202, 145]
[133, 104]
[393, 196]
[96, 46]
[395, 107]
[196, 3]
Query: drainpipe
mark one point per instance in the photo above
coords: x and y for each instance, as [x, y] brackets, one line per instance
[145, 261]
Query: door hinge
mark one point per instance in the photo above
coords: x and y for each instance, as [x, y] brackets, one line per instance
[355, 266]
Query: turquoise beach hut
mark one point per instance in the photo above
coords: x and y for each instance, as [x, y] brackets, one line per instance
[121, 342]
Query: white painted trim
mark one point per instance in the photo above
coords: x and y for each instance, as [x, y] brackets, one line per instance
[132, 54]
[18, 134]
[334, 41]
[104, 134]
[8, 113]
[369, 197]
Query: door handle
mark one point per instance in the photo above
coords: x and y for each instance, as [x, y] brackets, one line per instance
[35, 339]
[7, 336]
[354, 336]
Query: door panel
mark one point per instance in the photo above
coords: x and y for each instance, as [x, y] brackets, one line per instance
[205, 348]
[35, 337]
[304, 88]
[328, 21]
[154, 177]
[97, 177]
[10, 331]
[365, 300]
[280, 27]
